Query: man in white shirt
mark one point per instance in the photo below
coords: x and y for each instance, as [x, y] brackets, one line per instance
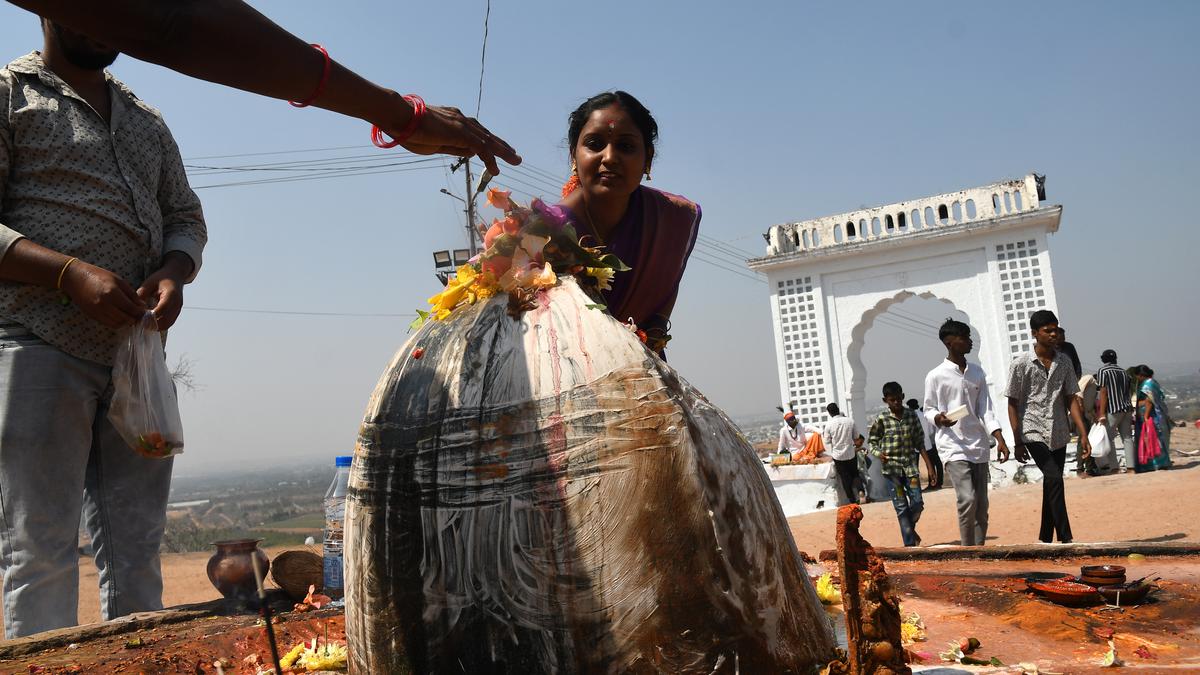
[963, 444]
[843, 442]
[791, 434]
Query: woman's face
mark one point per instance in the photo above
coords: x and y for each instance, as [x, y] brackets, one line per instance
[610, 155]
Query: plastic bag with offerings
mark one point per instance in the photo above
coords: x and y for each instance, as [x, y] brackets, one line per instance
[145, 408]
[1101, 444]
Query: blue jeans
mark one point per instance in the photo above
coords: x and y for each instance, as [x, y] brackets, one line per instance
[60, 457]
[906, 499]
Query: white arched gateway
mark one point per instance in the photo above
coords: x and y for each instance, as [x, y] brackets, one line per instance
[982, 250]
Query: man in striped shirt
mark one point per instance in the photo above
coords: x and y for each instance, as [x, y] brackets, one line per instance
[1114, 405]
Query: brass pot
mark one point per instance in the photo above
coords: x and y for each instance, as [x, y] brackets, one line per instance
[231, 568]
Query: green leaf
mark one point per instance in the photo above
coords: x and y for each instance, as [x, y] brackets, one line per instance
[419, 321]
[597, 306]
[611, 260]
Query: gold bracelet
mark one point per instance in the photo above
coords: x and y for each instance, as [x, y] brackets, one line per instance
[63, 271]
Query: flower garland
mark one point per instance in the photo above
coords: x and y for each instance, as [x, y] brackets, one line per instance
[527, 250]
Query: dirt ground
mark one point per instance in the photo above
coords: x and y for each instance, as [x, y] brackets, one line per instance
[1159, 506]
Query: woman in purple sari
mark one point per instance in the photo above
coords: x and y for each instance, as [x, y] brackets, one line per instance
[611, 138]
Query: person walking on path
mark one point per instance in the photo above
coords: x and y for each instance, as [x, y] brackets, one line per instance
[844, 443]
[1068, 349]
[94, 203]
[1114, 408]
[1152, 418]
[1041, 390]
[935, 481]
[964, 444]
[896, 439]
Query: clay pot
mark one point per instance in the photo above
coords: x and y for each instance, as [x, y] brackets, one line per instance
[231, 568]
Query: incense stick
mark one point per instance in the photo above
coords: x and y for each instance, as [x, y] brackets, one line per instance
[265, 612]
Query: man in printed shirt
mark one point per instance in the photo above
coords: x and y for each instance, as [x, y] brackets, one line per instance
[1041, 390]
[896, 438]
[963, 444]
[97, 226]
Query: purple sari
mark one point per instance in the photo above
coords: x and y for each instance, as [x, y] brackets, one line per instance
[655, 238]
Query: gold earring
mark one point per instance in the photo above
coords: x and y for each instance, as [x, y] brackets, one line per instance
[573, 168]
[648, 175]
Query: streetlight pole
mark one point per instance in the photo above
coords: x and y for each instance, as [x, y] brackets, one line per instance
[470, 209]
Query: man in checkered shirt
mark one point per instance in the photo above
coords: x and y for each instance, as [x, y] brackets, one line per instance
[896, 438]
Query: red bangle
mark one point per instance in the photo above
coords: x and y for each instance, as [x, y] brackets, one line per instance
[320, 85]
[418, 106]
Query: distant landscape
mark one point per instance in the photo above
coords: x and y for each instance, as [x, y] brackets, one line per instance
[282, 503]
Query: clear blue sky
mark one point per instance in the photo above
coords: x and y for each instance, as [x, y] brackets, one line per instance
[769, 112]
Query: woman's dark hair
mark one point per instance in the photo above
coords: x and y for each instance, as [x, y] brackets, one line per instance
[641, 117]
[1144, 370]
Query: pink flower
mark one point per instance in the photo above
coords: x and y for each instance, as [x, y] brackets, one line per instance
[497, 265]
[511, 225]
[494, 231]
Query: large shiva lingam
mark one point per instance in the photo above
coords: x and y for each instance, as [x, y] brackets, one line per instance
[536, 491]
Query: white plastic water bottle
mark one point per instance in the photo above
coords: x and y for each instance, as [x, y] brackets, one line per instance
[335, 516]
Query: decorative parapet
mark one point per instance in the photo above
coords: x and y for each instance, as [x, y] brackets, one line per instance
[910, 217]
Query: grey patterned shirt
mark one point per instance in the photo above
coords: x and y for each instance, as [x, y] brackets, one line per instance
[1043, 396]
[114, 195]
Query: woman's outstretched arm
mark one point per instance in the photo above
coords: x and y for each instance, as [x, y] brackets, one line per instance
[230, 43]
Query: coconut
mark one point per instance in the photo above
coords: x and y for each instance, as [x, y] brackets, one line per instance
[294, 571]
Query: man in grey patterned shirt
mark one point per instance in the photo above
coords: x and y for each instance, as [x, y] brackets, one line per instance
[1041, 389]
[97, 226]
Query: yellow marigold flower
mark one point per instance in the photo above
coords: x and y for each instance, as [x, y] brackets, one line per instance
[602, 275]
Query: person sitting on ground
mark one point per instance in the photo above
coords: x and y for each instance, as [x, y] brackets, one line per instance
[935, 481]
[964, 444]
[1114, 408]
[791, 435]
[844, 442]
[896, 439]
[611, 137]
[1152, 418]
[1041, 389]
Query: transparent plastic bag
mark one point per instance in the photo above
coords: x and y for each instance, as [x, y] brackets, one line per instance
[145, 408]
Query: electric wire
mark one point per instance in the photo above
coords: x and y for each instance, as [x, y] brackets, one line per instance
[295, 179]
[483, 56]
[274, 152]
[239, 310]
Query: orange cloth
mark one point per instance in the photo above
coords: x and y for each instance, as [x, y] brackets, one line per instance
[813, 447]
